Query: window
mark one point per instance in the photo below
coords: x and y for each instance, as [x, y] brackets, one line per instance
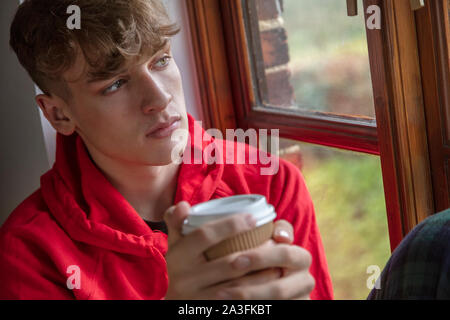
[403, 123]
[309, 64]
[347, 191]
[320, 71]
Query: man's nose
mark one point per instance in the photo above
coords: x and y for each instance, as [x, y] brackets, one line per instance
[156, 97]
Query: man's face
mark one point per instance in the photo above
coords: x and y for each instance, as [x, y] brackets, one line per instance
[114, 116]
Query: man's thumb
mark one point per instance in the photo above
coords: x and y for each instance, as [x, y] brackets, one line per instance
[174, 217]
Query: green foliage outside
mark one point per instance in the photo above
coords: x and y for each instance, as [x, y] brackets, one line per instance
[347, 192]
[330, 72]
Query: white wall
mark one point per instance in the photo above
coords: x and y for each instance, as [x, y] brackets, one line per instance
[27, 141]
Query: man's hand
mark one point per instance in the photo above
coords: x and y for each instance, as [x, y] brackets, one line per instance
[248, 275]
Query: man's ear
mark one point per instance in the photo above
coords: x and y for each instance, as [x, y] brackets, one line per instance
[56, 111]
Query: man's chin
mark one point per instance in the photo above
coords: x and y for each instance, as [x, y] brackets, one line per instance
[164, 159]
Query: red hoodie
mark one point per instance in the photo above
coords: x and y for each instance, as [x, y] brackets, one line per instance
[78, 224]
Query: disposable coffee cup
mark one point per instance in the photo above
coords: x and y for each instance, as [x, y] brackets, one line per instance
[212, 210]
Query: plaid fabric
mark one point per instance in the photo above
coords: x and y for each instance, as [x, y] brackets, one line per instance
[419, 268]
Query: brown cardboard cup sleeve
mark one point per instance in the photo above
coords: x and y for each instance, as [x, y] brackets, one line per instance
[241, 242]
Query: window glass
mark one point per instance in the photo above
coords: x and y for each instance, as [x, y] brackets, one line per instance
[315, 57]
[347, 191]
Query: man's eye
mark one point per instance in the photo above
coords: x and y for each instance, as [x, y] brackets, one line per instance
[164, 61]
[115, 86]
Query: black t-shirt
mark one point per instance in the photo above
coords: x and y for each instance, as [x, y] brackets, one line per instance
[160, 225]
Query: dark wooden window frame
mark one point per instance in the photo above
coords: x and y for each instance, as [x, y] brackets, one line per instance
[400, 136]
[432, 26]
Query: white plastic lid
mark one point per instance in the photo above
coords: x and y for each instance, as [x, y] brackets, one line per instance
[219, 208]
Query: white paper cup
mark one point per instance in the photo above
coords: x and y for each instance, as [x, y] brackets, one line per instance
[254, 204]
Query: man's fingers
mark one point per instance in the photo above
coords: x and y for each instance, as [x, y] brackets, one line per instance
[174, 217]
[297, 285]
[254, 278]
[291, 258]
[283, 232]
[214, 232]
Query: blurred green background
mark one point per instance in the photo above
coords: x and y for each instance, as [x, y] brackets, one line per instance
[330, 72]
[347, 192]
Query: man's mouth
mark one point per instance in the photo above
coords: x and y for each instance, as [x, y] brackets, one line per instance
[164, 128]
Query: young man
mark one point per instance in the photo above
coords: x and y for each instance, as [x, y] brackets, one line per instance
[114, 94]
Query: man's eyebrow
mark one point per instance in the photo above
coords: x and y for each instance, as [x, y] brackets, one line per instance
[102, 77]
[97, 78]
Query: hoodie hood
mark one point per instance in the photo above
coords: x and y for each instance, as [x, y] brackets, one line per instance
[92, 211]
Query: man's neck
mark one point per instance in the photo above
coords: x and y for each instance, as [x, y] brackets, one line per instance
[149, 189]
